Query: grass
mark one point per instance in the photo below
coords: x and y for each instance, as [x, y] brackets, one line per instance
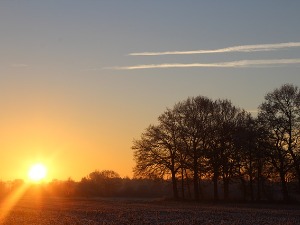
[34, 210]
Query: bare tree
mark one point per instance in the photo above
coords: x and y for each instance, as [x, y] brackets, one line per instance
[194, 116]
[280, 113]
[157, 153]
[205, 138]
[249, 141]
[224, 157]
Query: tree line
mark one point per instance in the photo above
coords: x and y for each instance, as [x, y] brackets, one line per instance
[105, 183]
[201, 139]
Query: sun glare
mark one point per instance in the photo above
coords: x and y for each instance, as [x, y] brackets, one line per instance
[37, 172]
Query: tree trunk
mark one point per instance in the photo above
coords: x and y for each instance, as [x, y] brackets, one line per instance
[226, 188]
[285, 193]
[182, 183]
[196, 180]
[174, 184]
[215, 180]
[299, 183]
[244, 186]
[297, 168]
[251, 187]
[188, 184]
[294, 156]
[258, 195]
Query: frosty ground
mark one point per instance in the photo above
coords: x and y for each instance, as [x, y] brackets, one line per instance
[146, 211]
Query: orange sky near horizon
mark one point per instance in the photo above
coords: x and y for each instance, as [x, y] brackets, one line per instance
[61, 136]
[69, 100]
[65, 150]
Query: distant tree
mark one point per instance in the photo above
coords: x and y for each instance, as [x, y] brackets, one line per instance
[100, 183]
[67, 188]
[280, 114]
[3, 188]
[109, 174]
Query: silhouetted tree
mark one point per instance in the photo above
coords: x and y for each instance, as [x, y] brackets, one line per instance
[213, 153]
[280, 113]
[157, 153]
[100, 183]
[227, 119]
[200, 138]
[194, 118]
[249, 140]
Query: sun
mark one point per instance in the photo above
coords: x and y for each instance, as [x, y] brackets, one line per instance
[37, 172]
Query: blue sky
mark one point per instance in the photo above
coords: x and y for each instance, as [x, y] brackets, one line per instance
[60, 95]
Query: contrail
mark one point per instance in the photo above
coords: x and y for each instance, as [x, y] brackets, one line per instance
[232, 64]
[241, 48]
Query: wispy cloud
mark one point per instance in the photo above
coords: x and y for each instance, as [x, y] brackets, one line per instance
[241, 48]
[232, 64]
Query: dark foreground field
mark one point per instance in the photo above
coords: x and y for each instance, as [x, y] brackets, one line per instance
[129, 211]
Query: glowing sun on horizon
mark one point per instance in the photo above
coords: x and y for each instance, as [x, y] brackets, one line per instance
[37, 172]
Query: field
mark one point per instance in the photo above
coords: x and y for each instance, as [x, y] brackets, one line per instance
[140, 211]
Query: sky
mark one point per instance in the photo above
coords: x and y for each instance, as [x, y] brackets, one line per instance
[80, 80]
